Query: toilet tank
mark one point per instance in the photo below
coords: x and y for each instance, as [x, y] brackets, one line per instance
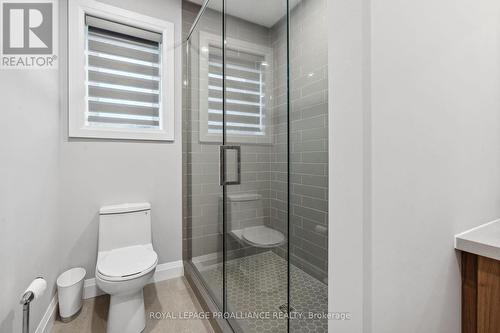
[244, 210]
[124, 225]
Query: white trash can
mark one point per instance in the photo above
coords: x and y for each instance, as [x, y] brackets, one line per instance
[70, 292]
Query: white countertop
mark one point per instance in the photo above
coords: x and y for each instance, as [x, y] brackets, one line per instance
[483, 240]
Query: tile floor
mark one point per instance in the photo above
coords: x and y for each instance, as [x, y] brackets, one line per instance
[258, 283]
[171, 296]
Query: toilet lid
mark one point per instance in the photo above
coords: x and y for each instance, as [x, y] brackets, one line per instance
[263, 236]
[127, 261]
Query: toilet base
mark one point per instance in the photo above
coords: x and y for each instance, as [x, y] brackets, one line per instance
[126, 313]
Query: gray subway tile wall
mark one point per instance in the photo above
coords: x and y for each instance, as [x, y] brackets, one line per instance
[308, 139]
[264, 167]
[202, 192]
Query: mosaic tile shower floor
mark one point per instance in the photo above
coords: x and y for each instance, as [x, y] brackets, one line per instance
[257, 284]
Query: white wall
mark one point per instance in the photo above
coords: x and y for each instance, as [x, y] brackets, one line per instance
[436, 153]
[102, 172]
[346, 122]
[29, 170]
[51, 188]
[431, 155]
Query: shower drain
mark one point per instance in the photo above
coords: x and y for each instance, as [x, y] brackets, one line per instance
[284, 308]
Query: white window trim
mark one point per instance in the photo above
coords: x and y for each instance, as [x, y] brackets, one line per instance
[205, 40]
[78, 105]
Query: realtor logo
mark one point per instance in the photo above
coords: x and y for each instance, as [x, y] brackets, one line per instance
[28, 34]
[27, 28]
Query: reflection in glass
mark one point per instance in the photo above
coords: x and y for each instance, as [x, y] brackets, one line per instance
[259, 242]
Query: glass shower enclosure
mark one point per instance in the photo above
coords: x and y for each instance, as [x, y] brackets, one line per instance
[238, 168]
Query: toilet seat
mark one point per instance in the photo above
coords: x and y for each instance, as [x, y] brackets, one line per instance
[127, 262]
[263, 236]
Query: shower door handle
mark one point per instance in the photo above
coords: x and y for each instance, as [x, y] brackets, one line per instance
[235, 165]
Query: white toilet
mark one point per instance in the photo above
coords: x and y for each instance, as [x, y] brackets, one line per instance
[126, 262]
[253, 233]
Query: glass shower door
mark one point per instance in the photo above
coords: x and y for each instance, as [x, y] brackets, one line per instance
[255, 166]
[237, 145]
[256, 161]
[203, 191]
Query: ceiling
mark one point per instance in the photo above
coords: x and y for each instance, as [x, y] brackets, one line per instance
[261, 12]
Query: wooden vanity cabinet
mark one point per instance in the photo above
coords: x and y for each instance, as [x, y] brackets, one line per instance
[480, 294]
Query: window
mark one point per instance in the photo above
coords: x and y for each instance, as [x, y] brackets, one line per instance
[248, 86]
[121, 74]
[123, 77]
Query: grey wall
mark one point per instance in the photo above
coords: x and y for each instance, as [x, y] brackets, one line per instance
[202, 205]
[308, 137]
[200, 165]
[264, 167]
[52, 186]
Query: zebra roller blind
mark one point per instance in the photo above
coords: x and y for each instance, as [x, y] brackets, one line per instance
[123, 75]
[245, 92]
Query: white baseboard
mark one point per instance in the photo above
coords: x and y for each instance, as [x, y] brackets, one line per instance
[90, 289]
[168, 270]
[45, 325]
[163, 272]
